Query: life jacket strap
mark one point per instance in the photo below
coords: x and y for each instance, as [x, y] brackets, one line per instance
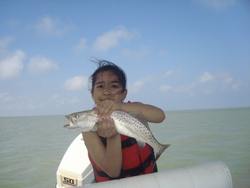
[128, 143]
[125, 143]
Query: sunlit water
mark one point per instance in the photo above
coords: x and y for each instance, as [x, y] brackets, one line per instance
[32, 147]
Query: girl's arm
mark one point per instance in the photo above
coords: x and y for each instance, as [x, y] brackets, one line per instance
[108, 158]
[151, 113]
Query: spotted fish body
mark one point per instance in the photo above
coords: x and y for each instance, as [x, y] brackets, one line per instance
[131, 124]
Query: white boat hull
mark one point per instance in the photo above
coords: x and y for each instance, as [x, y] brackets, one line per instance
[75, 170]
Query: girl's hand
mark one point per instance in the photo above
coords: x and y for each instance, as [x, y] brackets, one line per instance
[105, 108]
[106, 128]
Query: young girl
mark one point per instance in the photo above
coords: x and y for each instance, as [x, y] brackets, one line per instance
[112, 155]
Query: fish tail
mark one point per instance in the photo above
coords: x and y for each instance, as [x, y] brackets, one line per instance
[158, 154]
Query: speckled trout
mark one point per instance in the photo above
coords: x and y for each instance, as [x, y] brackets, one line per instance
[132, 124]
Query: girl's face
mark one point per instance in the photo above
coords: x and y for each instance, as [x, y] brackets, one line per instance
[107, 87]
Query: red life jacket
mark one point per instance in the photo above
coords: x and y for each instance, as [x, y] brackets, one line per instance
[134, 161]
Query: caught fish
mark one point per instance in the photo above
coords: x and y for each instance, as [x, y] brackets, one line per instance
[132, 124]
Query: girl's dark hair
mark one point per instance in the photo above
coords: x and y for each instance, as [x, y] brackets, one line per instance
[104, 65]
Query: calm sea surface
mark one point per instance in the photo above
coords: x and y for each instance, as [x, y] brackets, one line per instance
[32, 147]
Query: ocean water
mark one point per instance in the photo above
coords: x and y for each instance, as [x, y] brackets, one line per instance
[32, 147]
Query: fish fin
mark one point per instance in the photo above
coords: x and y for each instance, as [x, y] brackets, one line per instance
[165, 146]
[95, 127]
[140, 117]
[141, 144]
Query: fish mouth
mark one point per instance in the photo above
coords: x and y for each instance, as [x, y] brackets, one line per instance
[70, 122]
[66, 125]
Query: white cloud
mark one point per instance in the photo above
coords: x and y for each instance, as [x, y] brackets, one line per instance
[237, 85]
[58, 100]
[206, 91]
[12, 66]
[168, 73]
[137, 85]
[52, 27]
[191, 94]
[40, 64]
[206, 77]
[165, 88]
[134, 56]
[11, 100]
[16, 102]
[5, 97]
[81, 46]
[140, 83]
[215, 4]
[76, 83]
[112, 38]
[185, 89]
[2, 95]
[226, 78]
[4, 42]
[54, 97]
[75, 100]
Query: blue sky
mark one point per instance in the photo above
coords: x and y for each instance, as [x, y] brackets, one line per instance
[178, 55]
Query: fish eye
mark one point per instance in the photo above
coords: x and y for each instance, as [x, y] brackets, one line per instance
[76, 116]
